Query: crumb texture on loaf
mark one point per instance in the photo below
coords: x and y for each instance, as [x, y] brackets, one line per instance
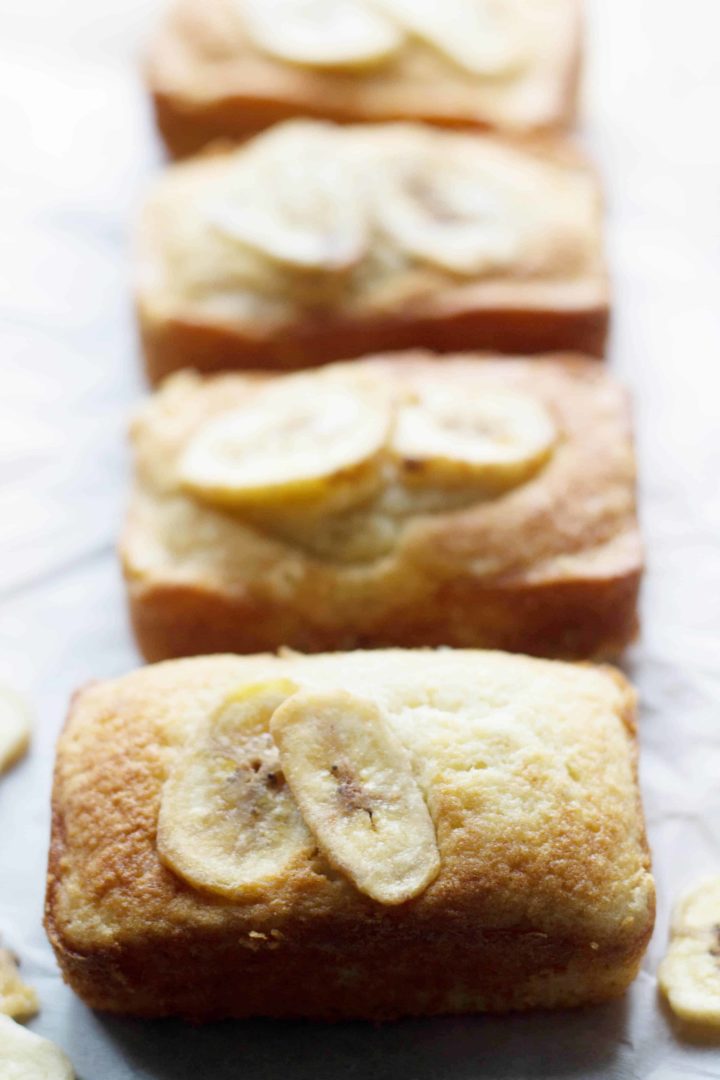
[543, 897]
[550, 564]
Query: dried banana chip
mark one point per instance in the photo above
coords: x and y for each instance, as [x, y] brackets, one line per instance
[15, 727]
[497, 440]
[306, 438]
[16, 998]
[296, 199]
[353, 782]
[479, 36]
[322, 33]
[26, 1056]
[228, 822]
[689, 976]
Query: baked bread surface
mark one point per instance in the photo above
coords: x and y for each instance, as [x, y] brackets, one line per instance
[206, 300]
[551, 566]
[544, 896]
[208, 81]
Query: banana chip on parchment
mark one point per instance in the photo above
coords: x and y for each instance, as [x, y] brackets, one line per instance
[27, 1056]
[17, 999]
[689, 976]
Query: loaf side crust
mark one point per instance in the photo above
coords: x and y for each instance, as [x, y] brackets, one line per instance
[526, 319]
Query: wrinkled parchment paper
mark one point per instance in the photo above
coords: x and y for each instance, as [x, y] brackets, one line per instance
[76, 150]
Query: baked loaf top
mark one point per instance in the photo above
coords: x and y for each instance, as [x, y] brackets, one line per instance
[510, 64]
[364, 221]
[367, 480]
[526, 767]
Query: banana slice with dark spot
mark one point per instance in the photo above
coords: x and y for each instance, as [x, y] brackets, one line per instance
[689, 976]
[228, 822]
[352, 779]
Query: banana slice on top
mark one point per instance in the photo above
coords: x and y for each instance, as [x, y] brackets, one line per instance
[228, 823]
[15, 726]
[352, 780]
[689, 976]
[447, 213]
[322, 33]
[27, 1056]
[303, 438]
[478, 36]
[495, 440]
[296, 199]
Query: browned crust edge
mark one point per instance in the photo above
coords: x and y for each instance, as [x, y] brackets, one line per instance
[580, 619]
[175, 343]
[187, 129]
[441, 972]
[450, 969]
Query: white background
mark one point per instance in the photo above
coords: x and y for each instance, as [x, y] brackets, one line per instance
[76, 150]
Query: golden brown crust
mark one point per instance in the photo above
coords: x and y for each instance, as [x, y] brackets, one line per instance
[521, 309]
[568, 620]
[535, 320]
[208, 83]
[544, 897]
[500, 972]
[550, 568]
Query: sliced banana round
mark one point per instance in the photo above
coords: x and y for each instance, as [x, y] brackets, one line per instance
[495, 440]
[27, 1056]
[689, 976]
[479, 36]
[448, 213]
[228, 823]
[351, 778]
[15, 727]
[322, 33]
[17, 999]
[296, 198]
[306, 438]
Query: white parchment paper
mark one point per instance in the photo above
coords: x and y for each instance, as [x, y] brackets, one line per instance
[76, 150]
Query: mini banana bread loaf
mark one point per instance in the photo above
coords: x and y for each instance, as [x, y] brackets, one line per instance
[228, 68]
[315, 243]
[403, 501]
[361, 835]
